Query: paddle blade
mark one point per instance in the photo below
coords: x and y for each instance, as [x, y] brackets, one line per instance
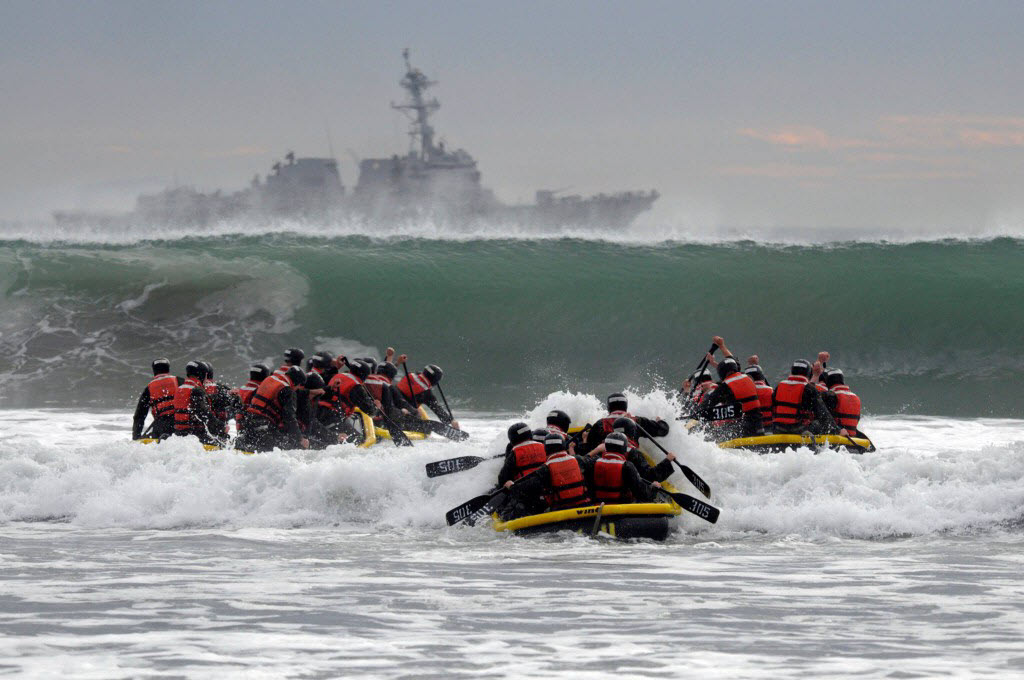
[695, 479]
[694, 506]
[462, 512]
[493, 504]
[453, 434]
[447, 467]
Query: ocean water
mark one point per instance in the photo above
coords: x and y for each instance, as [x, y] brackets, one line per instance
[927, 327]
[119, 560]
[122, 560]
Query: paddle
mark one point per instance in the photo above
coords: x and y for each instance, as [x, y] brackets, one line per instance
[700, 367]
[452, 465]
[708, 513]
[398, 435]
[449, 408]
[475, 508]
[692, 476]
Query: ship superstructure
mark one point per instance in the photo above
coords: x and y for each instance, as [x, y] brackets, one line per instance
[428, 181]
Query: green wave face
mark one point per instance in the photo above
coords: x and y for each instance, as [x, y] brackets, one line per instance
[931, 327]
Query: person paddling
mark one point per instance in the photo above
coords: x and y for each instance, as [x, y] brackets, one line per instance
[157, 398]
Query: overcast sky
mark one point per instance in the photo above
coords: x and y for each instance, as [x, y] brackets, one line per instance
[815, 114]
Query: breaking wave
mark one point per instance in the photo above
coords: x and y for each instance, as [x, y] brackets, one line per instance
[928, 327]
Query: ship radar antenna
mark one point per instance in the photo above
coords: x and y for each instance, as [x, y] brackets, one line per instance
[418, 109]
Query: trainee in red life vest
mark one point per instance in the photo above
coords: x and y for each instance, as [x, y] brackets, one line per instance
[337, 394]
[265, 401]
[847, 411]
[246, 391]
[607, 424]
[162, 389]
[420, 385]
[528, 456]
[609, 486]
[568, 490]
[185, 420]
[789, 396]
[743, 400]
[376, 384]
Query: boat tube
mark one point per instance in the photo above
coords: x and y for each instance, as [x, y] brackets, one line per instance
[625, 520]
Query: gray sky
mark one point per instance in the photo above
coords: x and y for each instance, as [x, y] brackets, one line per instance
[907, 115]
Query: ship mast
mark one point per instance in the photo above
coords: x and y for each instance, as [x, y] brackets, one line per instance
[418, 109]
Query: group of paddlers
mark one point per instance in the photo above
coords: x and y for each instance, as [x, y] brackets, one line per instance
[292, 407]
[814, 399]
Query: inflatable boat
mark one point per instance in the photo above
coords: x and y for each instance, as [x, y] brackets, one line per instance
[150, 440]
[382, 433]
[774, 443]
[628, 520]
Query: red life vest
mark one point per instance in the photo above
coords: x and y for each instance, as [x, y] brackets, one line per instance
[764, 396]
[265, 401]
[744, 390]
[567, 487]
[375, 385]
[162, 389]
[789, 395]
[847, 411]
[529, 456]
[741, 388]
[246, 391]
[211, 389]
[608, 485]
[607, 424]
[184, 420]
[555, 429]
[336, 397]
[420, 385]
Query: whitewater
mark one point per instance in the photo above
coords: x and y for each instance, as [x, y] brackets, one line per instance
[119, 560]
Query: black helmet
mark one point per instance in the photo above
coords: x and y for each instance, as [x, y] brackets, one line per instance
[296, 375]
[625, 426]
[801, 367]
[208, 369]
[560, 419]
[553, 443]
[258, 372]
[314, 381]
[540, 434]
[755, 372]
[371, 362]
[616, 442]
[833, 377]
[388, 370]
[433, 373]
[519, 432]
[161, 366]
[617, 402]
[321, 360]
[727, 367]
[294, 356]
[702, 376]
[359, 368]
[193, 369]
